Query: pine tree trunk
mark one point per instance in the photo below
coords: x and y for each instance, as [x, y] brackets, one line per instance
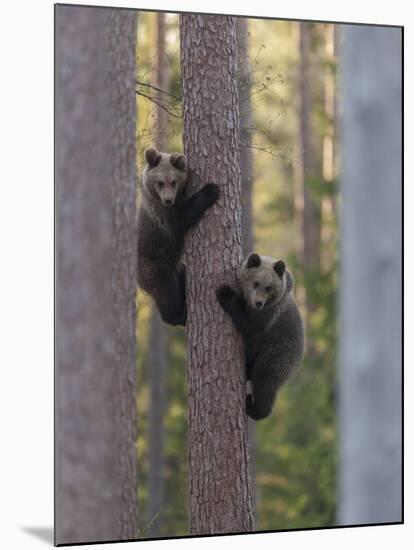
[85, 456]
[158, 341]
[121, 29]
[220, 492]
[310, 223]
[95, 443]
[370, 371]
[246, 166]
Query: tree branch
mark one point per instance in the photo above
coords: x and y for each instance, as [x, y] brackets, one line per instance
[146, 84]
[157, 103]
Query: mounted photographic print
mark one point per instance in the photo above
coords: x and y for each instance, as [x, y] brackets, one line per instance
[228, 274]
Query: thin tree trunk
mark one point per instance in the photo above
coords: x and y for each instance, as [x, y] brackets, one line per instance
[329, 161]
[162, 82]
[95, 441]
[158, 333]
[308, 209]
[246, 129]
[309, 225]
[157, 380]
[370, 300]
[246, 166]
[121, 28]
[220, 492]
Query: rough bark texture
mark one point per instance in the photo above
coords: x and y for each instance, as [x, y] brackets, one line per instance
[370, 299]
[95, 377]
[85, 454]
[220, 492]
[120, 61]
[157, 363]
[246, 167]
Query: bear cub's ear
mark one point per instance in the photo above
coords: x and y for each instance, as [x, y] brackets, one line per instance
[179, 161]
[279, 268]
[153, 157]
[253, 260]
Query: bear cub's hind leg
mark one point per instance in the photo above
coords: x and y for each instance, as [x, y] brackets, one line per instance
[170, 298]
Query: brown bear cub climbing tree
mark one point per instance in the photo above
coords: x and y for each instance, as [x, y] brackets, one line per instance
[264, 311]
[164, 217]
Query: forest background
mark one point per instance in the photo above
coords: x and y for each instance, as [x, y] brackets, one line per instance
[289, 90]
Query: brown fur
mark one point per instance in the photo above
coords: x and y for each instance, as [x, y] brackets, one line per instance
[264, 311]
[165, 214]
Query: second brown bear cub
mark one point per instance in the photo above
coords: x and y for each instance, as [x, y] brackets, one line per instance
[165, 215]
[264, 311]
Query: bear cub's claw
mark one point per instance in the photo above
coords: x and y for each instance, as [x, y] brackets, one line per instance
[224, 294]
[211, 191]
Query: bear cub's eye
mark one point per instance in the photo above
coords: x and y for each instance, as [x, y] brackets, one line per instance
[268, 289]
[173, 184]
[160, 184]
[255, 284]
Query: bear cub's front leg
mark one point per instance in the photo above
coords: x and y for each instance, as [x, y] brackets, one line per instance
[234, 305]
[198, 203]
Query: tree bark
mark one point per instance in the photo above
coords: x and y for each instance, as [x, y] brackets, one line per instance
[158, 342]
[95, 443]
[121, 29]
[220, 492]
[85, 455]
[246, 166]
[370, 391]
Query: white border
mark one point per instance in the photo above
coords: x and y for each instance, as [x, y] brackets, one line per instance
[26, 289]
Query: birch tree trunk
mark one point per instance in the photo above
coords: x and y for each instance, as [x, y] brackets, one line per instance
[370, 300]
[158, 336]
[95, 441]
[220, 492]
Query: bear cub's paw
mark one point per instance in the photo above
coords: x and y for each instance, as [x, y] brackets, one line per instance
[179, 320]
[211, 192]
[224, 294]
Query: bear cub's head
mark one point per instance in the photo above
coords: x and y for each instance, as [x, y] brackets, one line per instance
[165, 175]
[263, 281]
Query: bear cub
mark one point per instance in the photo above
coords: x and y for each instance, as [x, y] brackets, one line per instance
[264, 311]
[165, 215]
